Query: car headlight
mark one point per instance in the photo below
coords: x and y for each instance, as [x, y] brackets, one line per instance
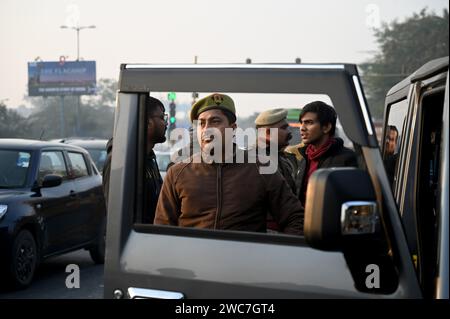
[3, 209]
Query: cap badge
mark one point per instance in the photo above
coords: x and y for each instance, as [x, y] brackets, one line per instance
[218, 99]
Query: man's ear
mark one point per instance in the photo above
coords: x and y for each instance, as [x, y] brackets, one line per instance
[326, 128]
[150, 124]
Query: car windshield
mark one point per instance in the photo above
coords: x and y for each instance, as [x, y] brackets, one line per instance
[98, 156]
[14, 167]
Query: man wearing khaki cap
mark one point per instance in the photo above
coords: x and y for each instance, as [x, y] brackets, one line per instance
[272, 126]
[218, 192]
[276, 119]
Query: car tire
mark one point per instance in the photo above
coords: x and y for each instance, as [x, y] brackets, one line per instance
[97, 250]
[24, 259]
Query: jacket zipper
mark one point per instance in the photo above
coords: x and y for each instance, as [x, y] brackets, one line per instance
[219, 196]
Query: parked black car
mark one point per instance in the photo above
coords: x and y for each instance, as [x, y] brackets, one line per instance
[51, 202]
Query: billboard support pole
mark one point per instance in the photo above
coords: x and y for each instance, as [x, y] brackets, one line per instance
[78, 98]
[62, 117]
[78, 116]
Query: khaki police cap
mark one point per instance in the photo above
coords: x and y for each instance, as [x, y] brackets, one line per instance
[213, 101]
[270, 117]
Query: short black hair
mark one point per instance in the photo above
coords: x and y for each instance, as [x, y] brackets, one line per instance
[325, 114]
[151, 105]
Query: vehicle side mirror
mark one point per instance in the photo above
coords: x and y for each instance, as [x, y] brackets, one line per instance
[340, 204]
[342, 214]
[51, 181]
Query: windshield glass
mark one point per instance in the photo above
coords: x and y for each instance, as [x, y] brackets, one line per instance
[14, 167]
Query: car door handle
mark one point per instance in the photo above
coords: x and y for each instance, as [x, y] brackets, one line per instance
[73, 194]
[141, 293]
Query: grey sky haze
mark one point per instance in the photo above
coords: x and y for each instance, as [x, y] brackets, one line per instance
[173, 31]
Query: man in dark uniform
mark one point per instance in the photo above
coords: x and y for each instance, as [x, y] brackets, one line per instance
[287, 163]
[156, 133]
[390, 155]
[277, 119]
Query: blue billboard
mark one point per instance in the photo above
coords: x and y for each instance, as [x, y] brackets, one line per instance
[61, 78]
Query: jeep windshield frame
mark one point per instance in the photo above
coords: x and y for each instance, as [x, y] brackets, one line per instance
[339, 81]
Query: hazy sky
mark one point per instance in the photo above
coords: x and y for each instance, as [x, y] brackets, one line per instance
[170, 31]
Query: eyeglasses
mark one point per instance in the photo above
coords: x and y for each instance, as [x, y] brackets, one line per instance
[164, 117]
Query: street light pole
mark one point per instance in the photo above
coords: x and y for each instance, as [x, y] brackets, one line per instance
[78, 44]
[78, 29]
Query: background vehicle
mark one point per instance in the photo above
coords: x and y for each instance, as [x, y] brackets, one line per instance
[163, 160]
[51, 202]
[417, 166]
[355, 242]
[95, 147]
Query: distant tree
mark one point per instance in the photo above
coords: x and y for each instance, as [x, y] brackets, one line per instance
[12, 125]
[96, 114]
[45, 120]
[106, 93]
[98, 111]
[404, 47]
[97, 121]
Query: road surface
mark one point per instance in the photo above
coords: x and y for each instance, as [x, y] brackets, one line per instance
[50, 279]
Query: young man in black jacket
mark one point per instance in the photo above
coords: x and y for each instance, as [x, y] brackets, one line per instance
[321, 149]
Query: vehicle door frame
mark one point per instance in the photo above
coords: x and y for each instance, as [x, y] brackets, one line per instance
[88, 218]
[71, 205]
[339, 81]
[406, 187]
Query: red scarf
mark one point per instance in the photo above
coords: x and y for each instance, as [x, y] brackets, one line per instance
[313, 155]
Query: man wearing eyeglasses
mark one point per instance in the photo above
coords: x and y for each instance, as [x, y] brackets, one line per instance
[156, 133]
